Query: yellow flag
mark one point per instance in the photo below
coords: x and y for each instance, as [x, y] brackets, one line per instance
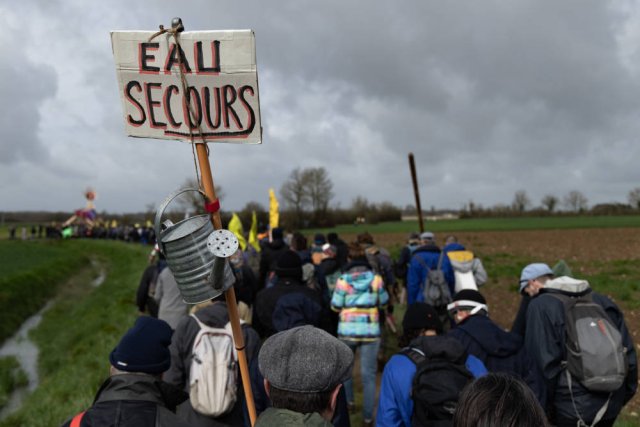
[253, 232]
[235, 226]
[274, 214]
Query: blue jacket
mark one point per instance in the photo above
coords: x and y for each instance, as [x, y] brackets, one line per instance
[395, 406]
[417, 273]
[500, 351]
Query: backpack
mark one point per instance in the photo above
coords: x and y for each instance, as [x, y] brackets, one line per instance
[213, 374]
[436, 290]
[435, 389]
[596, 356]
[462, 265]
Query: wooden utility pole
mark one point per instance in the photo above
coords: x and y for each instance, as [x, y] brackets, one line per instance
[416, 192]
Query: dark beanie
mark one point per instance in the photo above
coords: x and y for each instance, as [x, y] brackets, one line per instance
[421, 316]
[319, 239]
[470, 295]
[276, 233]
[289, 265]
[144, 348]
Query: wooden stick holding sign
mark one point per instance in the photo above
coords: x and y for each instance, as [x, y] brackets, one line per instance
[198, 87]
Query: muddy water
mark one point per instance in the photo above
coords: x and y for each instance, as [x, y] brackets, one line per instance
[20, 346]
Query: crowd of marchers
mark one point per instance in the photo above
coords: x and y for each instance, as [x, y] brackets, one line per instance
[308, 309]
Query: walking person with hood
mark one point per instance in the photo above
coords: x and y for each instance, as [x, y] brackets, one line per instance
[580, 342]
[358, 297]
[532, 279]
[500, 351]
[213, 314]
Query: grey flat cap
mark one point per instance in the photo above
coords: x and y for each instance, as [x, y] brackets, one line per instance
[305, 360]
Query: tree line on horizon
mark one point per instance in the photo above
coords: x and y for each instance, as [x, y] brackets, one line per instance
[305, 201]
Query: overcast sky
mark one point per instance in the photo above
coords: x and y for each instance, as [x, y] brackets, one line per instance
[492, 97]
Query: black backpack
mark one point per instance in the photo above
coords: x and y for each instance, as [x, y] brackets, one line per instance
[435, 389]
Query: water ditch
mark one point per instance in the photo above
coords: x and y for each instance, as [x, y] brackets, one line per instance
[26, 352]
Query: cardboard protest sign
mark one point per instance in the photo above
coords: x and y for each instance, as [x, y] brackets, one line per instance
[222, 85]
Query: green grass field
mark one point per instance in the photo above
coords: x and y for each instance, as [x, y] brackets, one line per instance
[489, 224]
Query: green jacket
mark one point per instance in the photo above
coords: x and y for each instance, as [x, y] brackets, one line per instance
[274, 417]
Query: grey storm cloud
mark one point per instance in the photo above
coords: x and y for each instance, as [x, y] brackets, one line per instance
[23, 87]
[492, 97]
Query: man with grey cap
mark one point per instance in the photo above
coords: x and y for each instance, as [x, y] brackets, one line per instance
[303, 370]
[532, 279]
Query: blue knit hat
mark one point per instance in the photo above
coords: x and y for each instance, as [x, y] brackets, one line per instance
[144, 348]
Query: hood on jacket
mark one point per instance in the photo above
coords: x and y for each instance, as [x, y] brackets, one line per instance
[568, 285]
[490, 336]
[441, 347]
[214, 315]
[428, 248]
[453, 247]
[359, 275]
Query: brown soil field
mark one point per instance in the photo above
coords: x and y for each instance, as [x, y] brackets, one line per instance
[590, 253]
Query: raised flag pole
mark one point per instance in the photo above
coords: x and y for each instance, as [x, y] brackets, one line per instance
[416, 192]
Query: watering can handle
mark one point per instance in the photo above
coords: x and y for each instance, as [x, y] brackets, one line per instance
[164, 205]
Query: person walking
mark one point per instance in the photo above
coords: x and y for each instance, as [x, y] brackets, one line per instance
[134, 395]
[358, 296]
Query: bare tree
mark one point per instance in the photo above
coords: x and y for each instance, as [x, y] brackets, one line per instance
[193, 202]
[550, 202]
[634, 198]
[520, 201]
[294, 191]
[360, 206]
[575, 201]
[319, 189]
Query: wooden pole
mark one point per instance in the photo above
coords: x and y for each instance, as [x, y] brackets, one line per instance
[416, 192]
[230, 295]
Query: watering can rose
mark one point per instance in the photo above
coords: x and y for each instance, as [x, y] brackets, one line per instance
[205, 86]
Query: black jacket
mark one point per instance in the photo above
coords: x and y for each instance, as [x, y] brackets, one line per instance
[287, 304]
[216, 316]
[545, 342]
[134, 400]
[268, 258]
[500, 351]
[520, 322]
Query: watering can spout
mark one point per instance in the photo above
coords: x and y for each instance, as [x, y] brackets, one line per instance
[222, 244]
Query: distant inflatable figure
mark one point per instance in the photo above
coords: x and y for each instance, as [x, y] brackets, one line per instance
[88, 214]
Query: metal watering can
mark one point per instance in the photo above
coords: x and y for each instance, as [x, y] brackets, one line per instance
[196, 253]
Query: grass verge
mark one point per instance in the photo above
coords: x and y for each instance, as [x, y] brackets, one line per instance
[78, 332]
[11, 377]
[32, 275]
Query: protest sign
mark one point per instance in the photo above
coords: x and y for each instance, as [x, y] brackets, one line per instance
[219, 68]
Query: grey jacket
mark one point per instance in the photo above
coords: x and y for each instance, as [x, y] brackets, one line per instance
[171, 306]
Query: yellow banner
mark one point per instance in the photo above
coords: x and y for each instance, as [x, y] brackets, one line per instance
[274, 214]
[235, 226]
